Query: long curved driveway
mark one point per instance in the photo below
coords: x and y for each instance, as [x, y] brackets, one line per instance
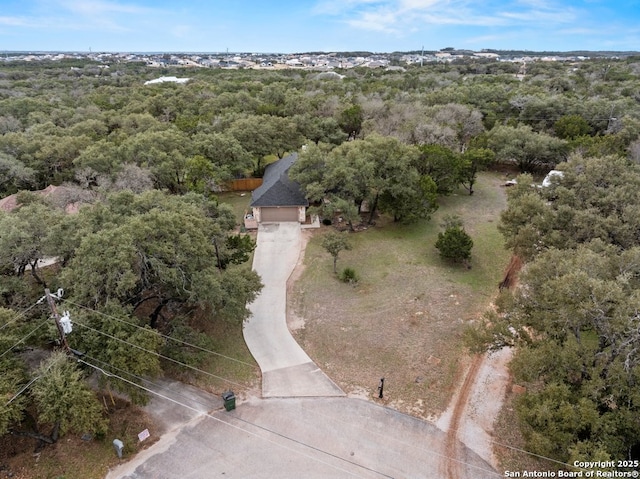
[287, 371]
[289, 435]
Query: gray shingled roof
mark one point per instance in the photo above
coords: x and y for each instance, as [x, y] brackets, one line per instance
[277, 189]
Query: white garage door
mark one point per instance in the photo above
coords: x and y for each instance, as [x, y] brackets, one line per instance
[275, 214]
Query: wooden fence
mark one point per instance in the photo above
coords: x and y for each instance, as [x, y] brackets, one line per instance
[243, 184]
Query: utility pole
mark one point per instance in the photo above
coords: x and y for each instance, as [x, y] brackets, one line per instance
[56, 317]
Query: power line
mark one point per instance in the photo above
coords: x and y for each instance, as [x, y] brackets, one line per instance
[415, 446]
[524, 451]
[158, 354]
[107, 373]
[212, 375]
[240, 385]
[148, 381]
[22, 390]
[163, 335]
[15, 396]
[25, 337]
[18, 316]
[238, 418]
[428, 451]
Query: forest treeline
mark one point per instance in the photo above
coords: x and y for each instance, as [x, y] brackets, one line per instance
[149, 159]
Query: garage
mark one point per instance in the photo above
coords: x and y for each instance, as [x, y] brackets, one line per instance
[278, 198]
[277, 214]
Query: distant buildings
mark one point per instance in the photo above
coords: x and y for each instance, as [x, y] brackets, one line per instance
[308, 61]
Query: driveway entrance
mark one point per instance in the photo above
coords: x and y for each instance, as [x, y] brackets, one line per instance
[287, 371]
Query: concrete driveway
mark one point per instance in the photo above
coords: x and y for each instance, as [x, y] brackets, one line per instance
[287, 371]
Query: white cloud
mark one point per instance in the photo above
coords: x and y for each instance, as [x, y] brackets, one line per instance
[15, 21]
[399, 16]
[100, 7]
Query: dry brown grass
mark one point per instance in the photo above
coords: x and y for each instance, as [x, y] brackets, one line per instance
[404, 320]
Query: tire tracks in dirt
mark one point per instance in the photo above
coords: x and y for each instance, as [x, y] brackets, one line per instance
[452, 444]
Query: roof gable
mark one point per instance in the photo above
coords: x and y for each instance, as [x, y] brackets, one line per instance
[277, 189]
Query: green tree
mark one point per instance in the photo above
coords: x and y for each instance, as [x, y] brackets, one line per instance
[350, 120]
[263, 135]
[116, 340]
[335, 242]
[64, 402]
[473, 161]
[442, 164]
[25, 237]
[455, 244]
[594, 199]
[154, 249]
[12, 377]
[14, 175]
[226, 154]
[527, 149]
[570, 127]
[573, 325]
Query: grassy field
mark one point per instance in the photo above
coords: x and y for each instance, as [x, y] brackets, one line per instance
[404, 320]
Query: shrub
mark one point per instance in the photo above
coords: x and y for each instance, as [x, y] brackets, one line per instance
[455, 244]
[349, 275]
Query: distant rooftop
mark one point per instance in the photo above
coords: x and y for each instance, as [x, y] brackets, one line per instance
[167, 80]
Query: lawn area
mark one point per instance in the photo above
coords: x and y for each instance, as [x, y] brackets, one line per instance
[239, 201]
[404, 320]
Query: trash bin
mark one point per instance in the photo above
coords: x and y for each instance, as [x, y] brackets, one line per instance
[229, 400]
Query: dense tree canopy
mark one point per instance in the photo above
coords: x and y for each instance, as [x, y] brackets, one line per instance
[151, 246]
[574, 317]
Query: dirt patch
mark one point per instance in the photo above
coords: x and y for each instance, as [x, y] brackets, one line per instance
[457, 417]
[470, 419]
[510, 279]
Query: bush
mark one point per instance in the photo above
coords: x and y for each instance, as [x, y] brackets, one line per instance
[455, 244]
[327, 221]
[349, 275]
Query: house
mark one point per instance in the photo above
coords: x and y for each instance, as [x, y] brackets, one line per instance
[278, 198]
[58, 195]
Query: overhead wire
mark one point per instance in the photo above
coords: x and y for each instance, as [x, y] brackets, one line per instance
[148, 381]
[161, 334]
[18, 316]
[44, 321]
[26, 386]
[155, 353]
[413, 445]
[240, 385]
[107, 373]
[248, 364]
[428, 451]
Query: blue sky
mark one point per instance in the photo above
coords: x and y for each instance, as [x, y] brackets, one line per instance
[290, 26]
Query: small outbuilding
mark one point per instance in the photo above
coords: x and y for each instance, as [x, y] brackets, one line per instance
[278, 199]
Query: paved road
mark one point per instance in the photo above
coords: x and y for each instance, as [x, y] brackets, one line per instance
[309, 438]
[287, 371]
